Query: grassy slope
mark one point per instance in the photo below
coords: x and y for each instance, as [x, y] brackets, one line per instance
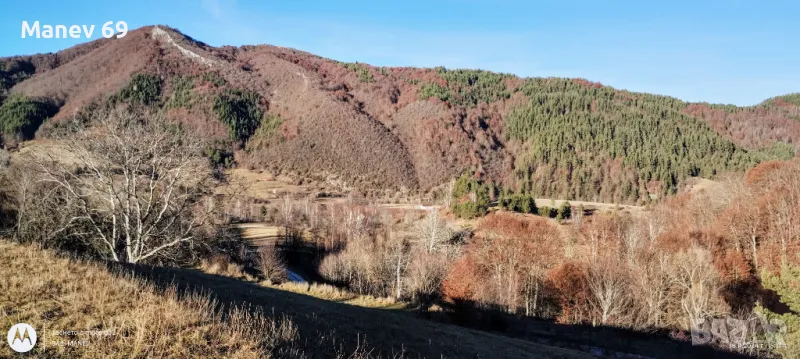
[76, 295]
[52, 293]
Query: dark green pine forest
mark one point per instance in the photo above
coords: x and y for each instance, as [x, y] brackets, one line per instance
[593, 143]
[574, 139]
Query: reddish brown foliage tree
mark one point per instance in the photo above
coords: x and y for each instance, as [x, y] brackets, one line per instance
[570, 281]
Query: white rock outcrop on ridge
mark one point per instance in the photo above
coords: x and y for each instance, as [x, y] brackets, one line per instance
[161, 34]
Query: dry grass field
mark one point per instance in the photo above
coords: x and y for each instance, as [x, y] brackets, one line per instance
[261, 185]
[150, 317]
[339, 295]
[138, 320]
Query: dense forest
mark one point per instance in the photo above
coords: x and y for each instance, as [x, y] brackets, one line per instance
[575, 139]
[593, 143]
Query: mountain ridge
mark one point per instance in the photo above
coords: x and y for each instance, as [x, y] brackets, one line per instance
[390, 130]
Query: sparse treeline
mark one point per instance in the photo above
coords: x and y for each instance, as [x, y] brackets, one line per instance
[471, 198]
[20, 116]
[467, 87]
[13, 71]
[388, 254]
[696, 256]
[771, 126]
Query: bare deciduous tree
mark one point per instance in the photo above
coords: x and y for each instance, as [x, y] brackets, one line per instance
[697, 284]
[448, 193]
[312, 216]
[431, 233]
[137, 183]
[651, 283]
[272, 265]
[633, 239]
[610, 292]
[36, 206]
[397, 252]
[426, 272]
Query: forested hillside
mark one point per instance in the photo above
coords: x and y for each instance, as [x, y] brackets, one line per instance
[596, 143]
[392, 131]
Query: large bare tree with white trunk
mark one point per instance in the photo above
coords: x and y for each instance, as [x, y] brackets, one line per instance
[697, 283]
[610, 291]
[137, 186]
[432, 233]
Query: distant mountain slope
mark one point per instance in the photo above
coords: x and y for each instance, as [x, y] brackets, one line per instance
[388, 129]
[776, 119]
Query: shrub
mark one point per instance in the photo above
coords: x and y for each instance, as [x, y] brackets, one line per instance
[219, 155]
[506, 201]
[522, 203]
[432, 89]
[527, 204]
[271, 264]
[364, 75]
[778, 150]
[221, 264]
[182, 87]
[239, 111]
[265, 135]
[468, 210]
[215, 79]
[21, 117]
[143, 89]
[550, 211]
[269, 125]
[471, 197]
[564, 211]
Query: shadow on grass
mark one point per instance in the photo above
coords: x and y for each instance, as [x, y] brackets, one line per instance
[344, 328]
[304, 258]
[600, 340]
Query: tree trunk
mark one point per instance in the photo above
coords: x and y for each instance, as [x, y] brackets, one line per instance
[397, 276]
[755, 252]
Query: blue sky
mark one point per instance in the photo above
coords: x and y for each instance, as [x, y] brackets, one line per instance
[739, 52]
